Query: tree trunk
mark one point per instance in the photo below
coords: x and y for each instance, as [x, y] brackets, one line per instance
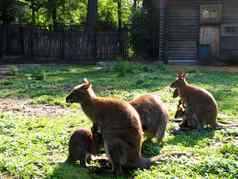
[1, 41]
[119, 13]
[152, 9]
[52, 11]
[119, 16]
[91, 15]
[54, 18]
[91, 25]
[33, 16]
[134, 4]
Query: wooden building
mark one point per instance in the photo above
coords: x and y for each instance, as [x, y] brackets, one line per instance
[193, 31]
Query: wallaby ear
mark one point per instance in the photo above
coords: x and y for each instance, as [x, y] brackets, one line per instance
[181, 75]
[184, 76]
[85, 80]
[87, 83]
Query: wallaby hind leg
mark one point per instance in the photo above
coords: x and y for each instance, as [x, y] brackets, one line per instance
[82, 158]
[73, 155]
[115, 155]
[196, 123]
[160, 135]
[213, 123]
[117, 152]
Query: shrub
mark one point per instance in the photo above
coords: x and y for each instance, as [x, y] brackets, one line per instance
[34, 74]
[123, 67]
[13, 70]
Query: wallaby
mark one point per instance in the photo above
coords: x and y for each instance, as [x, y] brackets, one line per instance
[82, 144]
[189, 120]
[153, 114]
[120, 126]
[201, 107]
[180, 106]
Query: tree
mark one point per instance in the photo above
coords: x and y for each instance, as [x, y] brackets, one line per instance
[7, 15]
[7, 11]
[91, 15]
[52, 12]
[119, 15]
[34, 5]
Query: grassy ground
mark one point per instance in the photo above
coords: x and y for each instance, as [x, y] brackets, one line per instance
[35, 146]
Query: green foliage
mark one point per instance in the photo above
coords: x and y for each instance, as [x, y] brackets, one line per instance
[33, 73]
[71, 12]
[107, 17]
[123, 67]
[218, 167]
[229, 150]
[13, 70]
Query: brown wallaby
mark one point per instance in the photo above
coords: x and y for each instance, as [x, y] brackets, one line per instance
[153, 114]
[180, 106]
[82, 144]
[119, 124]
[188, 122]
[201, 107]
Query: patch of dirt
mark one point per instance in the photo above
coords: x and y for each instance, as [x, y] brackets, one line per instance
[26, 108]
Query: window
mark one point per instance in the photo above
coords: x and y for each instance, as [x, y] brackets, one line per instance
[210, 14]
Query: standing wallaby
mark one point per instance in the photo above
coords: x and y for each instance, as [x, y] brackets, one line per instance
[201, 106]
[82, 144]
[119, 124]
[153, 114]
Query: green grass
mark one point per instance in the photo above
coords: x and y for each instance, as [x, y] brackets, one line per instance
[35, 147]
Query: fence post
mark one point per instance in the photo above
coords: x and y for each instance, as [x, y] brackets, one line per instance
[123, 43]
[22, 40]
[95, 45]
[1, 40]
[32, 42]
[6, 39]
[4, 34]
[63, 44]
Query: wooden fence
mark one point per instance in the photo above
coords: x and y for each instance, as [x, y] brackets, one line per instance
[67, 45]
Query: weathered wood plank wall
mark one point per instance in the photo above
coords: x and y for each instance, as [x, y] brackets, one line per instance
[183, 29]
[229, 40]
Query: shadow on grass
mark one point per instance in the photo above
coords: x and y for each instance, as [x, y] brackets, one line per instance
[67, 171]
[190, 139]
[150, 148]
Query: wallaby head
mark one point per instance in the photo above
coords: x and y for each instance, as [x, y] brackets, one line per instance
[180, 81]
[81, 93]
